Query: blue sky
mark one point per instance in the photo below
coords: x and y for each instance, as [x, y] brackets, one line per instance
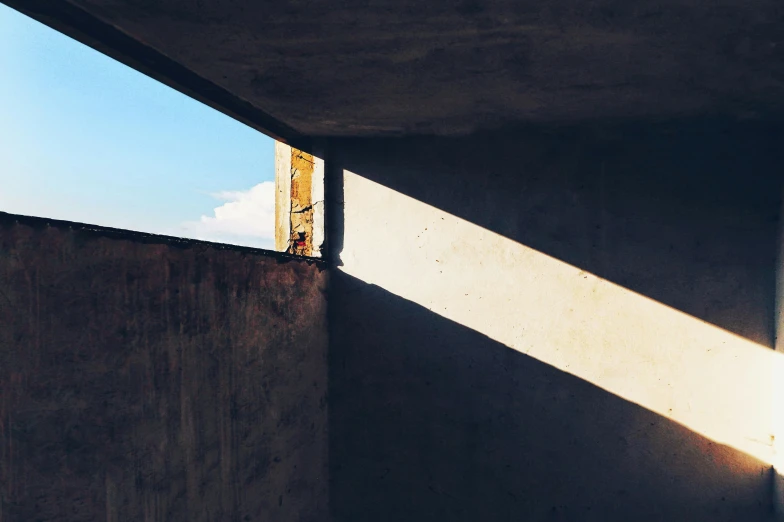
[85, 138]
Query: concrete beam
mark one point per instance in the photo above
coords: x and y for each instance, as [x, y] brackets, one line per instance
[82, 26]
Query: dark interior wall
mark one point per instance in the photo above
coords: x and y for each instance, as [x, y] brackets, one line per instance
[685, 213]
[431, 420]
[145, 379]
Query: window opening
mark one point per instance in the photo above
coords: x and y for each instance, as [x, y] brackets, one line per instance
[85, 138]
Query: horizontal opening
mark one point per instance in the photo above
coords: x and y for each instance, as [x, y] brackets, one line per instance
[85, 138]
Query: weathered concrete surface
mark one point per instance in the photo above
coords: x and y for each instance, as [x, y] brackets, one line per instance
[299, 204]
[146, 379]
[391, 66]
[566, 326]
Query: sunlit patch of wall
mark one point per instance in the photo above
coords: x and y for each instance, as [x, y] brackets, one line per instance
[710, 380]
[581, 318]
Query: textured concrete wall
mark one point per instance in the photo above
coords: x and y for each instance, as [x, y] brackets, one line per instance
[145, 379]
[571, 325]
[299, 202]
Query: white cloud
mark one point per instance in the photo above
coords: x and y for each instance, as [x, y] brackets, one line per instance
[247, 217]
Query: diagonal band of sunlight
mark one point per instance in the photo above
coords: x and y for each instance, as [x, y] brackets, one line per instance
[712, 381]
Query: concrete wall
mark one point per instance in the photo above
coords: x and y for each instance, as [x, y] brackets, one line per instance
[778, 384]
[151, 379]
[299, 201]
[571, 325]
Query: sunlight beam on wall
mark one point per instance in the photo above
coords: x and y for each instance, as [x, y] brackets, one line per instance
[712, 381]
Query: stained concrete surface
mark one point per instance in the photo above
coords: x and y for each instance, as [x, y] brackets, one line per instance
[145, 378]
[390, 67]
[567, 325]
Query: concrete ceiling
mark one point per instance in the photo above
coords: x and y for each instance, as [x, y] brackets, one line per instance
[380, 67]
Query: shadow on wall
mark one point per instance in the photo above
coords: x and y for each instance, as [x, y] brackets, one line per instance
[492, 376]
[434, 421]
[685, 214]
